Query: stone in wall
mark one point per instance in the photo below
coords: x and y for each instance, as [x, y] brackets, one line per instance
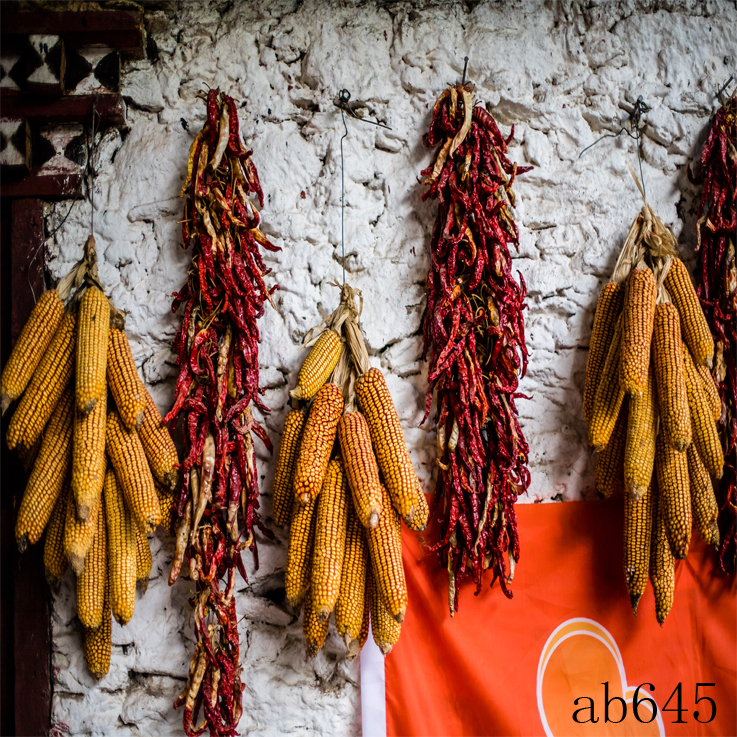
[562, 72]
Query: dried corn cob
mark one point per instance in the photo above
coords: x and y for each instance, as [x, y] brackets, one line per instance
[125, 384]
[91, 583]
[121, 533]
[55, 562]
[133, 474]
[422, 515]
[607, 313]
[329, 548]
[48, 476]
[318, 365]
[637, 329]
[98, 643]
[78, 534]
[314, 629]
[27, 456]
[609, 467]
[360, 467]
[670, 381]
[49, 380]
[703, 501]
[88, 457]
[167, 507]
[143, 560]
[696, 331]
[299, 553]
[638, 526]
[318, 438]
[662, 566]
[349, 609]
[639, 454]
[34, 339]
[384, 627]
[158, 445]
[385, 550]
[363, 633]
[375, 401]
[675, 498]
[282, 494]
[703, 427]
[93, 324]
[712, 394]
[609, 395]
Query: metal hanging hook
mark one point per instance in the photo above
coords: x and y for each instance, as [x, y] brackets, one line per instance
[465, 67]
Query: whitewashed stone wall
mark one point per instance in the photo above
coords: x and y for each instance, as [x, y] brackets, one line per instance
[562, 72]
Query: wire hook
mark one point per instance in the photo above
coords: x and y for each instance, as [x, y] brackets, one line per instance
[465, 67]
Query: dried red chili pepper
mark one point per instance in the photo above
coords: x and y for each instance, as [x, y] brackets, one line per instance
[717, 289]
[473, 330]
[217, 349]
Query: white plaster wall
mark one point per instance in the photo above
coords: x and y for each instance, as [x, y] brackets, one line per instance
[562, 72]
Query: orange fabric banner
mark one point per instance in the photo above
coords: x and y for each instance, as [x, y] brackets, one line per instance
[514, 667]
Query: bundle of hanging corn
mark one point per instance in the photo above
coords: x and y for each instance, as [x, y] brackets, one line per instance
[343, 500]
[474, 329]
[652, 407]
[716, 230]
[217, 349]
[102, 468]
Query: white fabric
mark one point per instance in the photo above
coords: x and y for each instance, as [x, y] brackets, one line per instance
[373, 690]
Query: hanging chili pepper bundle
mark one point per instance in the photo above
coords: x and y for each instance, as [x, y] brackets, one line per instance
[473, 329]
[217, 348]
[716, 230]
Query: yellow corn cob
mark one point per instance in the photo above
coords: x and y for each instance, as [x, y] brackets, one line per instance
[670, 381]
[638, 527]
[299, 552]
[91, 583]
[384, 628]
[125, 384]
[639, 454]
[385, 550]
[48, 475]
[88, 457]
[609, 395]
[637, 329]
[33, 340]
[318, 438]
[49, 380]
[329, 548]
[158, 445]
[360, 466]
[608, 309]
[55, 562]
[711, 391]
[675, 498]
[282, 494]
[167, 507]
[703, 427]
[662, 566]
[133, 474]
[419, 521]
[375, 401]
[314, 629]
[143, 560]
[121, 534]
[363, 633]
[318, 365]
[703, 502]
[92, 337]
[609, 468]
[696, 331]
[78, 534]
[349, 609]
[98, 643]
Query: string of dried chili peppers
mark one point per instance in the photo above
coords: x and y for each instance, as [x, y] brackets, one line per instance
[473, 329]
[717, 289]
[217, 349]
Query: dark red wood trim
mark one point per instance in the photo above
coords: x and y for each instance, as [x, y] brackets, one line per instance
[37, 183]
[32, 623]
[68, 109]
[61, 23]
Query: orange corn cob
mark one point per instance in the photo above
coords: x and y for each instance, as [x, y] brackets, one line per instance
[78, 534]
[88, 457]
[299, 552]
[384, 627]
[158, 445]
[712, 393]
[675, 497]
[315, 630]
[609, 468]
[91, 583]
[55, 562]
[703, 502]
[639, 454]
[638, 526]
[282, 494]
[98, 644]
[662, 566]
[125, 384]
[93, 324]
[319, 364]
[143, 560]
[637, 329]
